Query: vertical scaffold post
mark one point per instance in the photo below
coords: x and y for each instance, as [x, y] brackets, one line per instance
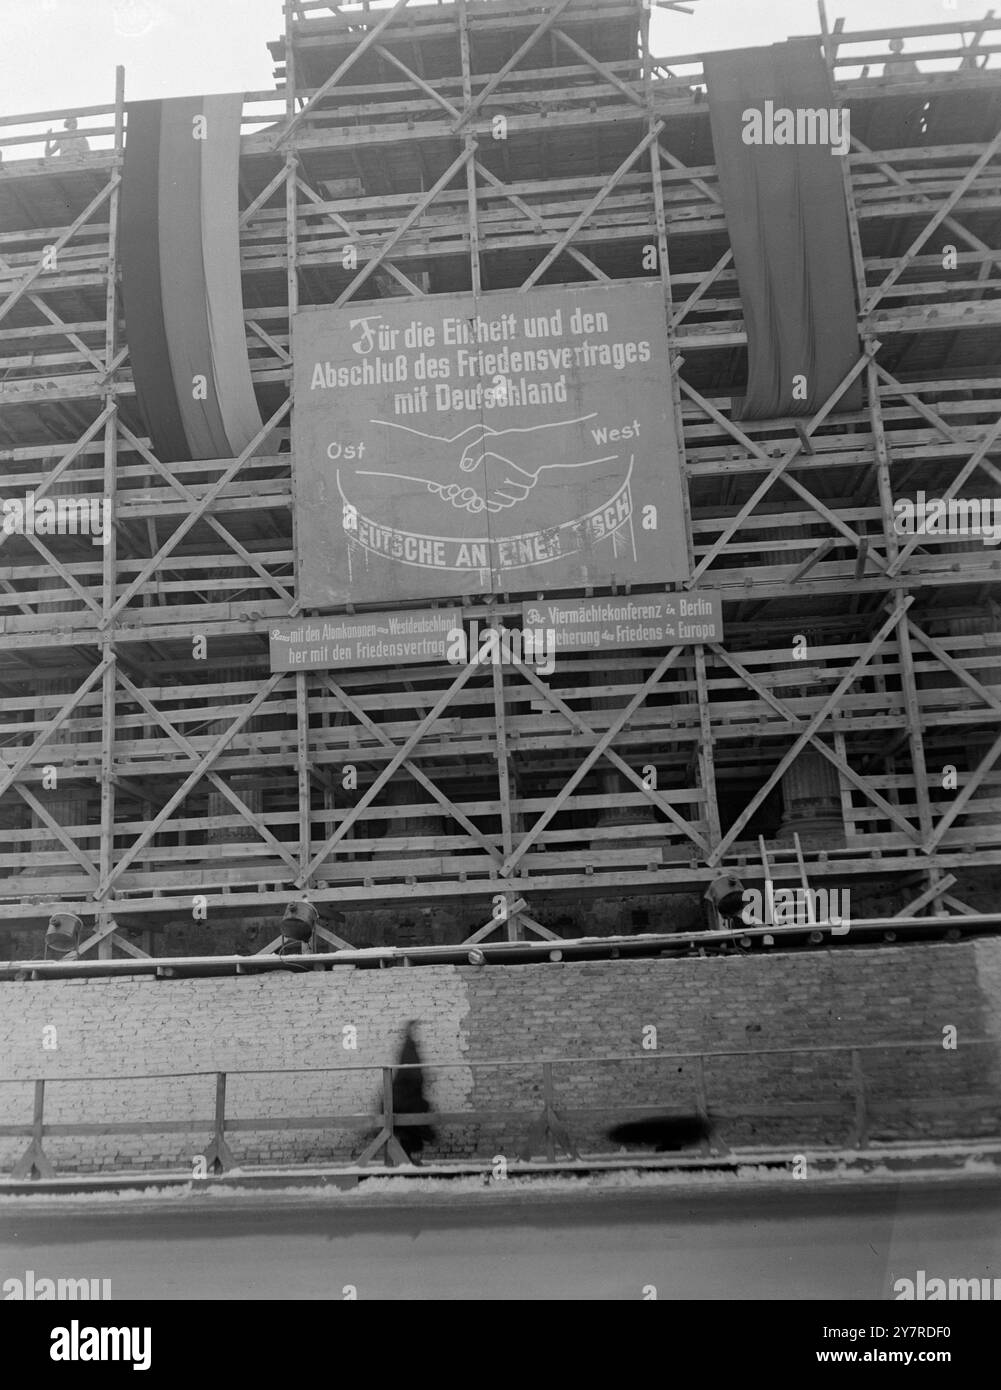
[471, 146]
[218, 1155]
[34, 1160]
[109, 557]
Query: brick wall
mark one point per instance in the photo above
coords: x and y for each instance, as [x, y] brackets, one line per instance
[759, 1002]
[468, 1016]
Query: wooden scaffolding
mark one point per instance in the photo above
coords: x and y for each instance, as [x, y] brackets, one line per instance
[154, 773]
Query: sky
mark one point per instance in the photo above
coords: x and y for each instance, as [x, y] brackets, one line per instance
[63, 53]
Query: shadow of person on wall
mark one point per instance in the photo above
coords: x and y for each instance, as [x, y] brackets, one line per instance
[409, 1097]
[664, 1133]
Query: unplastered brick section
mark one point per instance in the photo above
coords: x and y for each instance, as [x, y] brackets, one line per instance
[988, 965]
[469, 1015]
[847, 998]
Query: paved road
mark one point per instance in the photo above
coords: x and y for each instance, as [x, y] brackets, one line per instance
[805, 1241]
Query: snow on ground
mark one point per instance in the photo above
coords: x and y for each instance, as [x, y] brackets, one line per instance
[484, 1187]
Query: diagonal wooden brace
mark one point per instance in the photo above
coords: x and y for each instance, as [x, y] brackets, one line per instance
[807, 735]
[60, 325]
[415, 771]
[195, 776]
[62, 835]
[402, 754]
[59, 243]
[932, 416]
[592, 207]
[938, 651]
[943, 212]
[251, 561]
[971, 464]
[386, 1137]
[936, 890]
[341, 222]
[52, 478]
[511, 64]
[362, 47]
[550, 1128]
[858, 782]
[43, 736]
[601, 748]
[922, 199]
[511, 910]
[423, 203]
[538, 222]
[200, 509]
[965, 796]
[231, 796]
[764, 486]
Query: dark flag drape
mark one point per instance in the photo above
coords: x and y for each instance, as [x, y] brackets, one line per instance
[140, 258]
[788, 225]
[181, 283]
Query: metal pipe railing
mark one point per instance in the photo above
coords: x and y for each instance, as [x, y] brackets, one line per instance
[546, 1130]
[650, 944]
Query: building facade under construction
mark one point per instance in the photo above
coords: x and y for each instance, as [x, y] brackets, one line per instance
[500, 483]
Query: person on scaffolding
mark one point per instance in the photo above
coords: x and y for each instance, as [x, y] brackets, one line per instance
[71, 143]
[898, 66]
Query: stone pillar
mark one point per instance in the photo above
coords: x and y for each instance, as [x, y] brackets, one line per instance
[811, 792]
[404, 791]
[811, 801]
[811, 796]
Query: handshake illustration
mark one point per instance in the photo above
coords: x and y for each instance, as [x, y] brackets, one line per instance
[490, 470]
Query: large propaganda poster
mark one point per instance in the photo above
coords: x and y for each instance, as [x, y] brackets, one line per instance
[496, 443]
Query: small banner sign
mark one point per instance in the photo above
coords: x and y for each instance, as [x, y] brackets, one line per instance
[647, 620]
[368, 639]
